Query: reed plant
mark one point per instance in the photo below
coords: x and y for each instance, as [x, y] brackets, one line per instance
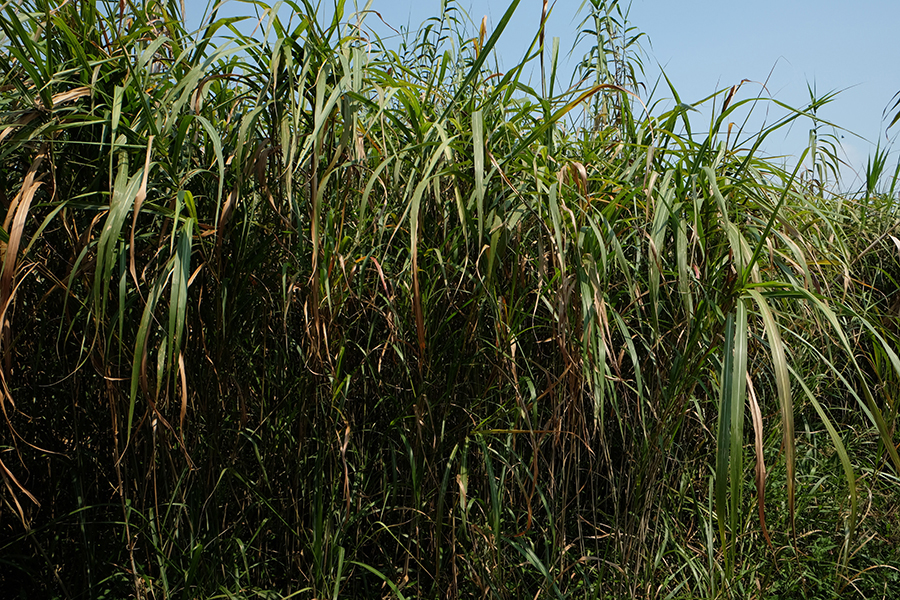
[290, 310]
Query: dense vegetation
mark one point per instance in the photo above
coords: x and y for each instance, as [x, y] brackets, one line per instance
[314, 315]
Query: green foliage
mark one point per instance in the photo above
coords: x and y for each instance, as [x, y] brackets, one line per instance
[299, 314]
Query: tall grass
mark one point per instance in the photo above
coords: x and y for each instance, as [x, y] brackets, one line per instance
[315, 314]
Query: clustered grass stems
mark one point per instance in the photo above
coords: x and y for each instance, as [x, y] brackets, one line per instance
[304, 314]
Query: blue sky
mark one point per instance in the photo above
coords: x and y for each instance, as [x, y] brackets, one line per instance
[705, 46]
[832, 46]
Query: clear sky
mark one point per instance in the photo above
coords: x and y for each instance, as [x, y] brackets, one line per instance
[830, 45]
[705, 46]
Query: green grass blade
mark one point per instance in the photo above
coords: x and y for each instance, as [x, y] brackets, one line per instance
[783, 383]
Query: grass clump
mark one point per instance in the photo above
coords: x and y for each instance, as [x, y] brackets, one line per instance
[308, 315]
